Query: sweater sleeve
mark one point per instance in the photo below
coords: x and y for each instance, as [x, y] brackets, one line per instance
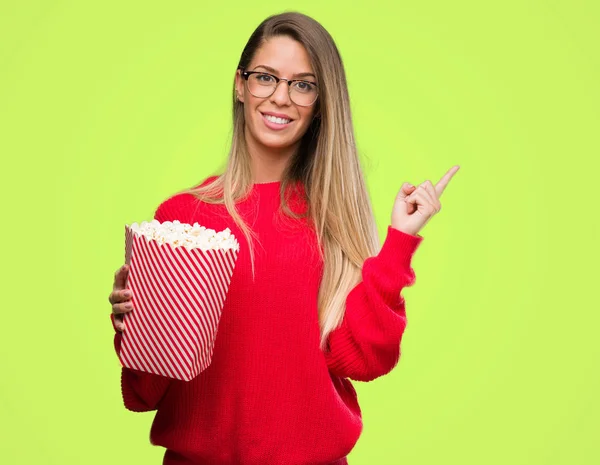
[367, 343]
[143, 391]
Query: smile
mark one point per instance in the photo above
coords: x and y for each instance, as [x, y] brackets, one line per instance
[277, 120]
[274, 122]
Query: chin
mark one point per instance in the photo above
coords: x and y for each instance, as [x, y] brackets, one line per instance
[276, 141]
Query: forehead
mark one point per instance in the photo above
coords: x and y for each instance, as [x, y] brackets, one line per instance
[284, 54]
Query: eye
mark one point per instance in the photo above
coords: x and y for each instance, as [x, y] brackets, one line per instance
[304, 87]
[264, 78]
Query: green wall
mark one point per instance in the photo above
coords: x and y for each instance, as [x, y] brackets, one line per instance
[107, 108]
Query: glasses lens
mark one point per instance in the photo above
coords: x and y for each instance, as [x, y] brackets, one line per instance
[303, 93]
[261, 85]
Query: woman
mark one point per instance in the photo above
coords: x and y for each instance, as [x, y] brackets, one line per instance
[317, 303]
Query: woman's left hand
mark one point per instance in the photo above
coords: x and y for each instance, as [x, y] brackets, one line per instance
[414, 206]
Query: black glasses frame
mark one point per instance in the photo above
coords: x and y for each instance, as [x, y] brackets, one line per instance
[246, 75]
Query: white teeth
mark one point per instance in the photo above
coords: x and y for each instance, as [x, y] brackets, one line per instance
[274, 119]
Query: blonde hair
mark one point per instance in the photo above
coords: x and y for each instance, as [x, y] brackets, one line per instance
[326, 163]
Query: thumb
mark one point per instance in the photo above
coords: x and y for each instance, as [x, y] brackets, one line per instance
[121, 277]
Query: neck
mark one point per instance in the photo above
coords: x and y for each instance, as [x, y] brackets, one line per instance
[268, 163]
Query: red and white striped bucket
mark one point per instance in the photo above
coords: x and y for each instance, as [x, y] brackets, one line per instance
[178, 297]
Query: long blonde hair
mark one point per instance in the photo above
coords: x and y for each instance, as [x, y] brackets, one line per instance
[326, 163]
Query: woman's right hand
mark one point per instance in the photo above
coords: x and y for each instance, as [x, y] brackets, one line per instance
[120, 297]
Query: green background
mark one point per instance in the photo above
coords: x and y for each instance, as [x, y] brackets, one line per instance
[107, 108]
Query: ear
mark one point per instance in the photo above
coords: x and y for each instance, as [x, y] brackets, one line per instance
[239, 86]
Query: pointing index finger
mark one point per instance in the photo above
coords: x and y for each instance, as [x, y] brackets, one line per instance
[442, 183]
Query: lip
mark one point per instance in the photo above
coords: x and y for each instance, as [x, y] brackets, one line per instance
[277, 115]
[275, 126]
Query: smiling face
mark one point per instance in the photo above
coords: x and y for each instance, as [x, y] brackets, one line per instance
[285, 58]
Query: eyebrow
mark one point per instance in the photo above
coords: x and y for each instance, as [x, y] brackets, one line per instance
[273, 70]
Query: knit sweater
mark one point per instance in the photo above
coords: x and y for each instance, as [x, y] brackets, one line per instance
[271, 396]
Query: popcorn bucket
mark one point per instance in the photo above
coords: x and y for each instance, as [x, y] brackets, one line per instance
[178, 297]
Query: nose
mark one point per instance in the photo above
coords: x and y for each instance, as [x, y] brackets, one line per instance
[281, 95]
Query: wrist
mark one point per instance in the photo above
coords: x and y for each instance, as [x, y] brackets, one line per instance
[404, 230]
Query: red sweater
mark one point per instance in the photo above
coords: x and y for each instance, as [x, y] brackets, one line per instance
[270, 396]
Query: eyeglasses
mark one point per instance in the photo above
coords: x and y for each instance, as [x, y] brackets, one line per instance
[262, 85]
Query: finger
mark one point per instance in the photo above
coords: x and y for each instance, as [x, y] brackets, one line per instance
[420, 198]
[442, 183]
[421, 192]
[120, 295]
[432, 195]
[121, 308]
[119, 323]
[121, 277]
[405, 190]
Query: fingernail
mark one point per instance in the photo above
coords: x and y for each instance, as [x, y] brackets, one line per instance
[127, 293]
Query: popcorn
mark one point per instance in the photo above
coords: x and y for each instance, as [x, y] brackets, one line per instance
[182, 234]
[179, 275]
